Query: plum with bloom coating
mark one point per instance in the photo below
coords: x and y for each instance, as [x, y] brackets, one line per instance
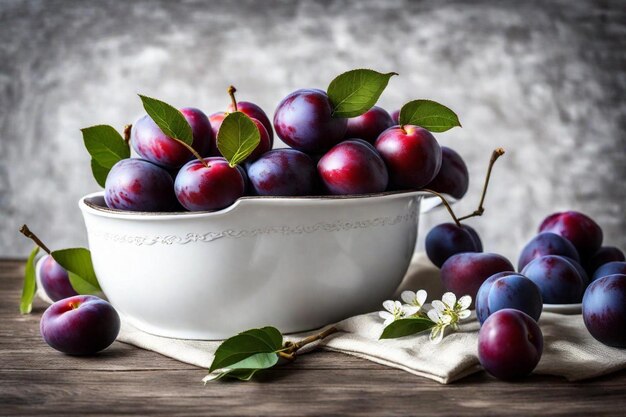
[304, 121]
[508, 290]
[448, 239]
[283, 172]
[152, 144]
[557, 278]
[369, 125]
[214, 186]
[604, 310]
[138, 185]
[546, 243]
[55, 279]
[80, 325]
[464, 273]
[578, 228]
[412, 155]
[510, 344]
[353, 168]
[453, 176]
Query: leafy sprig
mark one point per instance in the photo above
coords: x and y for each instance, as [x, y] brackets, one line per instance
[76, 261]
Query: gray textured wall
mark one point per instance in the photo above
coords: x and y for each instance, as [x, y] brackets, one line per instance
[545, 80]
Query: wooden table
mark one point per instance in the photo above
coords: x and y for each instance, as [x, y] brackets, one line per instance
[36, 380]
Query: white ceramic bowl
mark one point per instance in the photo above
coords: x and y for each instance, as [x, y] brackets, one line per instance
[293, 263]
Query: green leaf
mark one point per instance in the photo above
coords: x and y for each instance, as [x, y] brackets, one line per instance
[169, 119]
[428, 114]
[246, 345]
[355, 92]
[245, 369]
[77, 262]
[237, 138]
[240, 374]
[99, 172]
[406, 327]
[105, 145]
[30, 283]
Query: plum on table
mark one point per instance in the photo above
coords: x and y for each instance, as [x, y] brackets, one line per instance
[80, 325]
[510, 344]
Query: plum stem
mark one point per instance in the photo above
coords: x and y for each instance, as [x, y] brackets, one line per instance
[291, 349]
[26, 232]
[497, 153]
[445, 203]
[231, 92]
[127, 130]
[193, 152]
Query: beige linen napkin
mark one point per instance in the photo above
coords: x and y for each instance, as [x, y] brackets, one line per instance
[569, 350]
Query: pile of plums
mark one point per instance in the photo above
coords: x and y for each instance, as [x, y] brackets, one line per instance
[367, 154]
[565, 263]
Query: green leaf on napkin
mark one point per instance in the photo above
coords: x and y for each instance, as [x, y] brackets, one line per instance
[77, 262]
[237, 138]
[243, 355]
[30, 283]
[355, 92]
[169, 119]
[428, 114]
[106, 147]
[406, 327]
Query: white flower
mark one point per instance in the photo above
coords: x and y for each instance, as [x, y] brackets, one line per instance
[448, 312]
[441, 320]
[395, 311]
[416, 299]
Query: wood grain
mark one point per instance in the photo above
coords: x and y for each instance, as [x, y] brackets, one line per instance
[36, 380]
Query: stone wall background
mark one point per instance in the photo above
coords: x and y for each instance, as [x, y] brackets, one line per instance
[544, 79]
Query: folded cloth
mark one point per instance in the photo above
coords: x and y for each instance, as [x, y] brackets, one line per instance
[569, 349]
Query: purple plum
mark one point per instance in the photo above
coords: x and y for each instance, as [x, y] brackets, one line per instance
[369, 125]
[155, 146]
[412, 155]
[578, 228]
[546, 243]
[604, 310]
[304, 121]
[453, 176]
[138, 185]
[283, 172]
[213, 187]
[508, 290]
[447, 239]
[510, 344]
[353, 168]
[254, 112]
[464, 273]
[55, 279]
[80, 325]
[557, 278]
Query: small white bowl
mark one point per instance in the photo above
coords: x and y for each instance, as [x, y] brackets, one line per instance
[294, 263]
[564, 308]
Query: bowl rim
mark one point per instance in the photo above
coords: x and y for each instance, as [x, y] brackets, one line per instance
[86, 204]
